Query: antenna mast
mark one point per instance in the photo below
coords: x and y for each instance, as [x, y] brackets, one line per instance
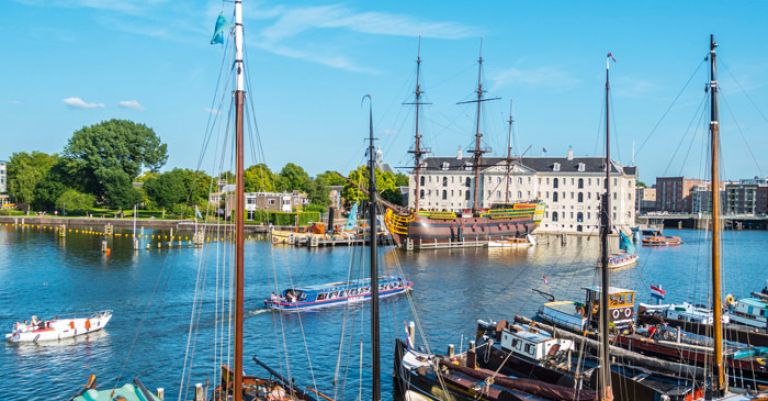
[605, 360]
[239, 203]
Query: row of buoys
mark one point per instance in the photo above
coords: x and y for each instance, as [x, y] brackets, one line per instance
[119, 235]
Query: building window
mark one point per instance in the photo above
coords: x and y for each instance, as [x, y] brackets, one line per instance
[498, 194]
[580, 198]
[519, 195]
[466, 194]
[582, 167]
[581, 183]
[579, 217]
[554, 196]
[422, 180]
[556, 167]
[554, 216]
[445, 194]
[547, 180]
[468, 183]
[555, 183]
[421, 195]
[445, 181]
[520, 180]
[572, 180]
[571, 194]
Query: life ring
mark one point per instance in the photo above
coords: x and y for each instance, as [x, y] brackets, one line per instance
[71, 324]
[616, 313]
[730, 300]
[627, 312]
[88, 324]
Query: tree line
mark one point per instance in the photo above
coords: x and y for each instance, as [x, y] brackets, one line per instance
[116, 164]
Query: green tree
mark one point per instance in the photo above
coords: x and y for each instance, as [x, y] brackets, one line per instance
[332, 178]
[258, 178]
[318, 192]
[25, 171]
[179, 187]
[356, 187]
[294, 178]
[48, 190]
[73, 200]
[104, 158]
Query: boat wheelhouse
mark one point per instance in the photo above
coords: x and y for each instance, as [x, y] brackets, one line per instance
[684, 312]
[749, 312]
[533, 344]
[323, 295]
[578, 316]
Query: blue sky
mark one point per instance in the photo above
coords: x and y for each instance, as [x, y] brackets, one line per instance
[72, 63]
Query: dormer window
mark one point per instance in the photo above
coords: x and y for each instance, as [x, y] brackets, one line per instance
[582, 167]
[445, 166]
[556, 167]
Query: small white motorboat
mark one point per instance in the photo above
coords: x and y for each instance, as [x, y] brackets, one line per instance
[58, 328]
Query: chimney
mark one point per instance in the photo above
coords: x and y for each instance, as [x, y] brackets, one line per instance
[459, 154]
[570, 153]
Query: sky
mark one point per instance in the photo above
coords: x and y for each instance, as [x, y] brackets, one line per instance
[72, 63]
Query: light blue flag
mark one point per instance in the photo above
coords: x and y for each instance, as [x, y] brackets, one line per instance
[218, 31]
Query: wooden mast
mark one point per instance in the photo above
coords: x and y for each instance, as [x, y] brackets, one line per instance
[375, 354]
[417, 151]
[606, 393]
[509, 153]
[478, 151]
[718, 373]
[239, 203]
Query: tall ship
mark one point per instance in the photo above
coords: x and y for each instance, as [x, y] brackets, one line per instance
[471, 224]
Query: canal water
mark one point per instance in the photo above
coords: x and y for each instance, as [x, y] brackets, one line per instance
[152, 292]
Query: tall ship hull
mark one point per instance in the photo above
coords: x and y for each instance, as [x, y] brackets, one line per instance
[514, 221]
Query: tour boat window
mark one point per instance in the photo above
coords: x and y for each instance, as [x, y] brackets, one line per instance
[530, 349]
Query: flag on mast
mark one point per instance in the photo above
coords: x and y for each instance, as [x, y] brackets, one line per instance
[218, 31]
[657, 292]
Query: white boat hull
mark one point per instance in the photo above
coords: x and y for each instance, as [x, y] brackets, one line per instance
[58, 329]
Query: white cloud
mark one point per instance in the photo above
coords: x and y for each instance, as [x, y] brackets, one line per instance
[120, 6]
[131, 104]
[78, 103]
[292, 22]
[212, 111]
[545, 76]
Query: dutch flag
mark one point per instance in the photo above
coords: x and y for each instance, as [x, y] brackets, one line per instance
[658, 292]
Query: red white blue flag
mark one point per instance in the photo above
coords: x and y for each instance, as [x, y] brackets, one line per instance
[658, 292]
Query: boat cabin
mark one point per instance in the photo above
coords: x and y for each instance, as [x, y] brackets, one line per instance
[690, 313]
[750, 312]
[532, 343]
[342, 290]
[621, 306]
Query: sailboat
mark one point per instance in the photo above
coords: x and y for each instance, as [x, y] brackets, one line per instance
[727, 364]
[412, 228]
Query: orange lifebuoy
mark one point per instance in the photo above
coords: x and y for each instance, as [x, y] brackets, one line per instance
[71, 324]
[88, 324]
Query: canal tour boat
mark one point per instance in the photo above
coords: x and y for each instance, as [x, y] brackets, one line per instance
[56, 329]
[319, 296]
